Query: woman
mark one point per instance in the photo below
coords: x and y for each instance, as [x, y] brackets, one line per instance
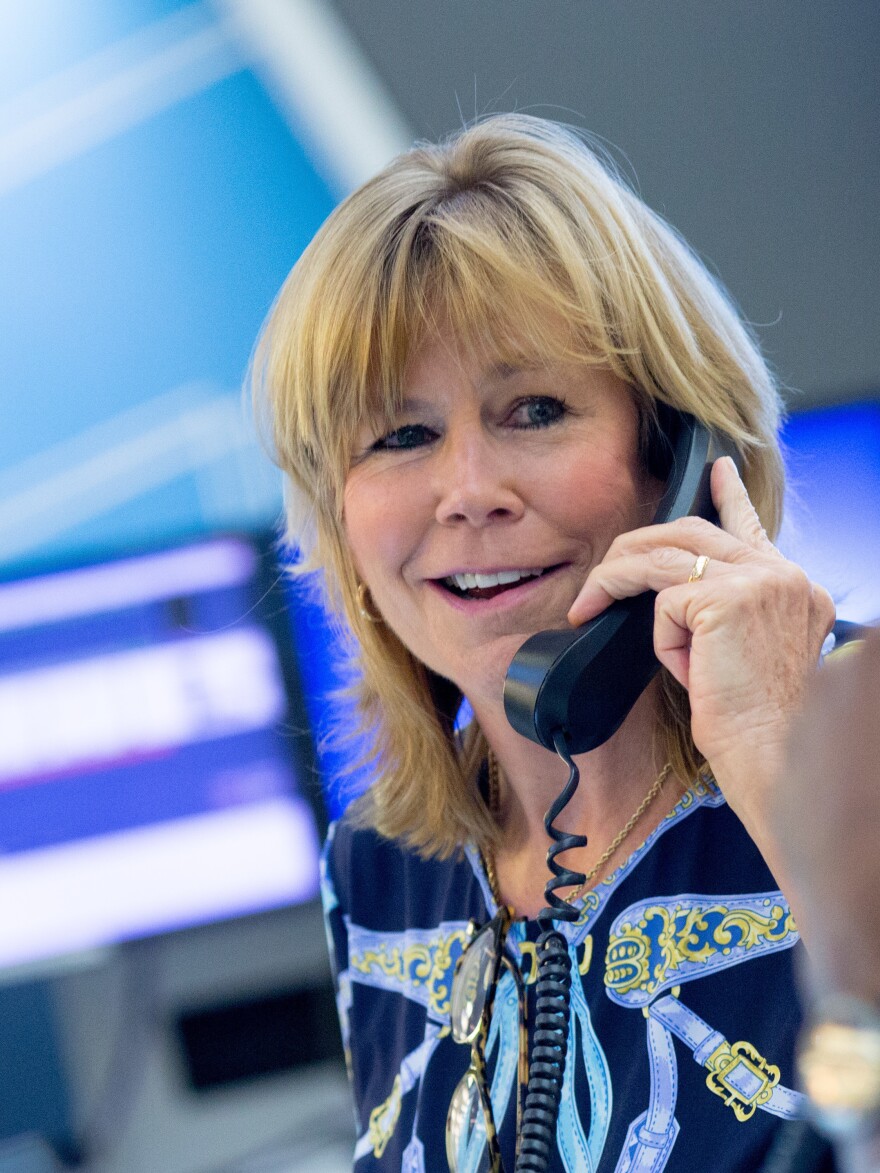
[465, 372]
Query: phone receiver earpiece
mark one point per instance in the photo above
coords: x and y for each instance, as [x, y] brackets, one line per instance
[584, 681]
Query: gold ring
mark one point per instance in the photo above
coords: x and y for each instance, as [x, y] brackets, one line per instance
[699, 568]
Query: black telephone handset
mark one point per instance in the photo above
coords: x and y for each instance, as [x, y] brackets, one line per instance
[583, 681]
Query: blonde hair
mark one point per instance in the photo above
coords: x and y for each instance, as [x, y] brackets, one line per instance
[513, 220]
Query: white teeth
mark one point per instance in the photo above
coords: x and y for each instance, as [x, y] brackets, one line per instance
[466, 582]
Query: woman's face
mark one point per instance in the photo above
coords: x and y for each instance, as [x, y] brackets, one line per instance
[476, 518]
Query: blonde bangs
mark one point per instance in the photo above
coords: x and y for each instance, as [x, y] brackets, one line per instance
[459, 267]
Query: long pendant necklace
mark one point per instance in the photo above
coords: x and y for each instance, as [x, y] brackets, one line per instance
[494, 803]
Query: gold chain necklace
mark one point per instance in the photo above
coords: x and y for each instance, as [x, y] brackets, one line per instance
[494, 802]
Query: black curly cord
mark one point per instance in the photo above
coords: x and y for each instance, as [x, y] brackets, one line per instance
[553, 990]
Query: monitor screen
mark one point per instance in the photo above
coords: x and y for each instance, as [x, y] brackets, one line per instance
[153, 750]
[832, 524]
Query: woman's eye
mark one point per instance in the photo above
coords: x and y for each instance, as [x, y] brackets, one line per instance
[538, 411]
[408, 436]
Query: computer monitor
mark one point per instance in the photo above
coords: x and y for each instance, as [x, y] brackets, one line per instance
[154, 756]
[832, 524]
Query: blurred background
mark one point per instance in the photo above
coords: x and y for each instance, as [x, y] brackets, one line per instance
[165, 1004]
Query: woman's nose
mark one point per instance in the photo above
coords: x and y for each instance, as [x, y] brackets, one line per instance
[474, 484]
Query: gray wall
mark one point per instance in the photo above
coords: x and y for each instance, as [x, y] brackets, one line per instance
[752, 126]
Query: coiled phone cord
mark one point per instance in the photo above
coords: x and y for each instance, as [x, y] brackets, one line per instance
[553, 989]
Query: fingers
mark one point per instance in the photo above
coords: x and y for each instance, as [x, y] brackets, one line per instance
[735, 510]
[622, 577]
[658, 556]
[739, 536]
[694, 534]
[643, 561]
[672, 635]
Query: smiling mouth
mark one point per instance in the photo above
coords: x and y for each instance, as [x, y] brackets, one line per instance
[487, 586]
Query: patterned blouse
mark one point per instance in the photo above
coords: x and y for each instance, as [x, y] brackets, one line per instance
[683, 1011]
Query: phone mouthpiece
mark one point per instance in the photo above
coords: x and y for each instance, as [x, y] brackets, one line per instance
[583, 681]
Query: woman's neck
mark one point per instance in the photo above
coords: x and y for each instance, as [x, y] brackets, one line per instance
[615, 778]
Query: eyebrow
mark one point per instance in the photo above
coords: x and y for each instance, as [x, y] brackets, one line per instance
[411, 403]
[500, 371]
[507, 370]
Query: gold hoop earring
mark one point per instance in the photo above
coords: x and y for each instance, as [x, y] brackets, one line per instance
[366, 606]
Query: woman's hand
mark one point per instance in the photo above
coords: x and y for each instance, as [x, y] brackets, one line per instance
[744, 640]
